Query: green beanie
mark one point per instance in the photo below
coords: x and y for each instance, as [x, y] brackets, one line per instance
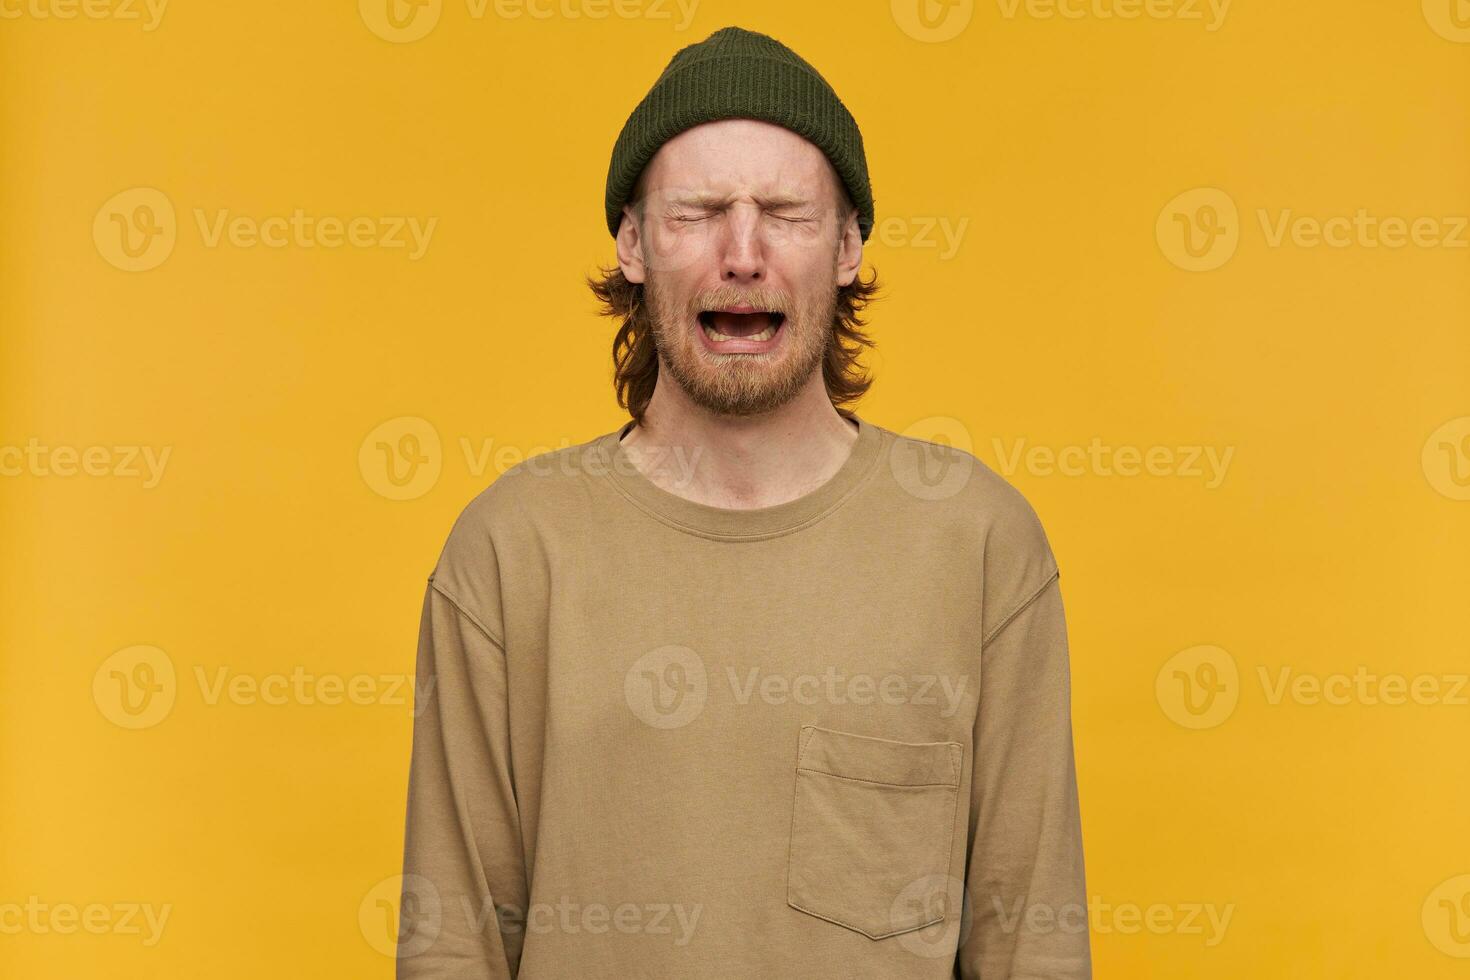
[735, 73]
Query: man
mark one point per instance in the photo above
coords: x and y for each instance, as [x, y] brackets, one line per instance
[749, 687]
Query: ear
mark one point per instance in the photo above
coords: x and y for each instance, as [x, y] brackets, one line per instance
[849, 250]
[630, 247]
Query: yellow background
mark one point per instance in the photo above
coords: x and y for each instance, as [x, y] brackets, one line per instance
[1335, 542]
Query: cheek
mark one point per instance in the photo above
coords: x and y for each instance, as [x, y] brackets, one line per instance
[677, 254]
[805, 258]
[813, 286]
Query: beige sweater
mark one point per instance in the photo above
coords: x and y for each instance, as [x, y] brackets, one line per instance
[825, 739]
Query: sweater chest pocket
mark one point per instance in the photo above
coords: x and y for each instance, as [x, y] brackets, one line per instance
[872, 821]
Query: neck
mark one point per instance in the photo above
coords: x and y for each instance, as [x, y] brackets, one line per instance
[740, 462]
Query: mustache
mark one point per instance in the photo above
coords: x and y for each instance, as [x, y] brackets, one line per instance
[763, 300]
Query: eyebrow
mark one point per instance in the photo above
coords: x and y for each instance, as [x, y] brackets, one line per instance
[706, 199]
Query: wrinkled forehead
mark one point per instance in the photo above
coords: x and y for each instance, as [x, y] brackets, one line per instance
[739, 156]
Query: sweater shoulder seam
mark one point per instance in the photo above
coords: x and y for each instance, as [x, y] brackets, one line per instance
[467, 614]
[1011, 617]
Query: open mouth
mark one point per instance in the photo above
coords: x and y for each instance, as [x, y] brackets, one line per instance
[742, 328]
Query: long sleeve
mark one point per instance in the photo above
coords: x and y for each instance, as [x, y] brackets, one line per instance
[464, 893]
[1024, 875]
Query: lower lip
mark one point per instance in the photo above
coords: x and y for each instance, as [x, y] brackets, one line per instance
[739, 345]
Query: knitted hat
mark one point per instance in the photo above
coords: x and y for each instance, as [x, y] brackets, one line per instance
[735, 73]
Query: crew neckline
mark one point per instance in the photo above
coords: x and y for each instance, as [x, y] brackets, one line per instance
[733, 523]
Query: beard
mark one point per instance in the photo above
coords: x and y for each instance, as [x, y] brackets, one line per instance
[741, 384]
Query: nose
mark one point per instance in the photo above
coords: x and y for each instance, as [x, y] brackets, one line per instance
[743, 257]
